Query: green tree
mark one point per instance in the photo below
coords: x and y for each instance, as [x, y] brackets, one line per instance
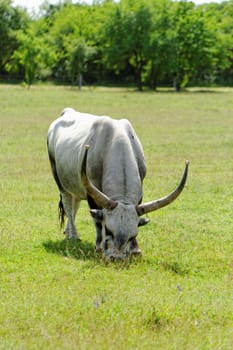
[78, 55]
[219, 20]
[192, 44]
[128, 38]
[226, 39]
[12, 20]
[159, 60]
[33, 54]
[73, 31]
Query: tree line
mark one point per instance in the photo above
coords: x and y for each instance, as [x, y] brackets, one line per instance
[146, 43]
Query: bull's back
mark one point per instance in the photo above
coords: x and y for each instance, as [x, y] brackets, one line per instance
[67, 137]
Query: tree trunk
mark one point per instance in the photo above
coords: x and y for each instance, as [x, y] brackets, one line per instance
[176, 84]
[139, 79]
[139, 83]
[80, 81]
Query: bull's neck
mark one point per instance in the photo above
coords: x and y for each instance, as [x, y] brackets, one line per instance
[121, 178]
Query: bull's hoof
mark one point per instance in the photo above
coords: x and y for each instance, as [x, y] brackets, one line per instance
[73, 238]
[136, 252]
[113, 258]
[98, 250]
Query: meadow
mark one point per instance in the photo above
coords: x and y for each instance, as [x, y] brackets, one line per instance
[56, 294]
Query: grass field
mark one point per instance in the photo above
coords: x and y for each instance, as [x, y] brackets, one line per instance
[56, 294]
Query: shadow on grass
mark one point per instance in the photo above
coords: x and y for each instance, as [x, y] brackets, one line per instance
[205, 91]
[79, 250]
[189, 90]
[82, 250]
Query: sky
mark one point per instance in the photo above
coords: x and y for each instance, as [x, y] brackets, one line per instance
[33, 5]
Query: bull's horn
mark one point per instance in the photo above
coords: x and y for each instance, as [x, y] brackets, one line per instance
[162, 202]
[99, 197]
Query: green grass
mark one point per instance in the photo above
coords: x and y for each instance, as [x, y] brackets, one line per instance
[56, 294]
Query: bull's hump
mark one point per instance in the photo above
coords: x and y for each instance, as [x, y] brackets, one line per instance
[67, 110]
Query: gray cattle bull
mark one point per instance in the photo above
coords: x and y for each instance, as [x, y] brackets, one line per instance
[101, 160]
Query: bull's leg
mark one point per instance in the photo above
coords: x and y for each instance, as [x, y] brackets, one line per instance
[71, 205]
[97, 223]
[99, 238]
[134, 248]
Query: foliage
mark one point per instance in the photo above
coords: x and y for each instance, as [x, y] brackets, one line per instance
[144, 42]
[79, 55]
[192, 44]
[33, 55]
[59, 295]
[128, 38]
[12, 20]
[219, 19]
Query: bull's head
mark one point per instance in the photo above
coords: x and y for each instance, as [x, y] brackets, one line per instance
[118, 221]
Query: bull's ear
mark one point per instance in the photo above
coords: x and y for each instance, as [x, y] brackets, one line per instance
[97, 214]
[143, 221]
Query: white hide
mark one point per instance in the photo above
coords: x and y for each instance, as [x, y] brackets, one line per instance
[115, 165]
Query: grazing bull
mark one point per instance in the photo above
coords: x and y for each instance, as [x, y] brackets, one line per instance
[101, 160]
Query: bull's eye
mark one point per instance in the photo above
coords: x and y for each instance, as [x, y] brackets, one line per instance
[108, 233]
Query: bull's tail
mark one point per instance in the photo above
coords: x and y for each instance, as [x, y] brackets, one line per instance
[61, 209]
[62, 213]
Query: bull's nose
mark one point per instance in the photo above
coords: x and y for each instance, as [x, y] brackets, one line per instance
[136, 252]
[116, 257]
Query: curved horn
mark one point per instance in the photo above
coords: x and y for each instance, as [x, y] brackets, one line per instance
[100, 198]
[162, 202]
